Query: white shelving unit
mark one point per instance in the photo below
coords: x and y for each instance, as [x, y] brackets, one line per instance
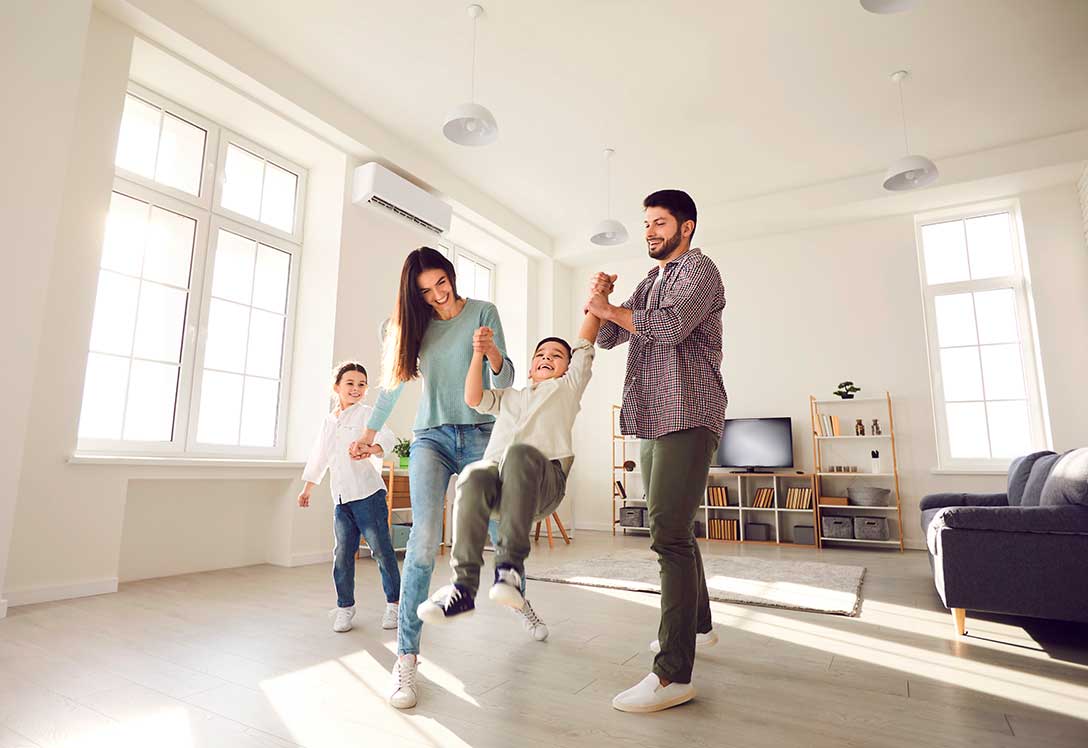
[741, 490]
[830, 483]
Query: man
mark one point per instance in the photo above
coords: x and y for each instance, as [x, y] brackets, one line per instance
[674, 401]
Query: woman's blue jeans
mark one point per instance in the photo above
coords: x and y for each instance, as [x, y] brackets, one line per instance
[437, 454]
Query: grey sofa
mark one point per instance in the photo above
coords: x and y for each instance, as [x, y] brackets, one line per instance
[1023, 552]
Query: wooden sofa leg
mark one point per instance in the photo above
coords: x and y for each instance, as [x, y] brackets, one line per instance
[959, 617]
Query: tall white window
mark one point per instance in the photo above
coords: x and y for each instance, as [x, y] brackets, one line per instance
[474, 276]
[192, 323]
[987, 387]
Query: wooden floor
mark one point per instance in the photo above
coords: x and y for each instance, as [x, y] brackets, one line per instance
[246, 657]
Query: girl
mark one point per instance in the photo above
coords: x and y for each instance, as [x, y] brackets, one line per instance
[358, 495]
[431, 334]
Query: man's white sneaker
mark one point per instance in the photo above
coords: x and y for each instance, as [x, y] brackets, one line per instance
[404, 692]
[390, 616]
[650, 696]
[702, 641]
[341, 620]
[507, 588]
[532, 623]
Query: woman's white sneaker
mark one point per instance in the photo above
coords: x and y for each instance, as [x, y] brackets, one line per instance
[702, 641]
[404, 692]
[341, 619]
[390, 616]
[532, 623]
[650, 696]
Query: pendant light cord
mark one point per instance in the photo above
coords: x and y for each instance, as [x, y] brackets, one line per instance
[472, 97]
[903, 115]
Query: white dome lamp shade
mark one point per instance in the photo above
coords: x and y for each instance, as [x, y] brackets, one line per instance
[884, 7]
[609, 232]
[912, 171]
[470, 123]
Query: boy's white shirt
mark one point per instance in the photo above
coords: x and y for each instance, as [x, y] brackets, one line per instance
[351, 479]
[522, 418]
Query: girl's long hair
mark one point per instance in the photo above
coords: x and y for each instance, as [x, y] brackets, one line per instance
[411, 315]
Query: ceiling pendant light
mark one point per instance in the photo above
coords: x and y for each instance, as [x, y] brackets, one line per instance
[609, 232]
[909, 172]
[470, 123]
[884, 7]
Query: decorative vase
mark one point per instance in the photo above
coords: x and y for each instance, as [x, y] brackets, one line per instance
[847, 396]
[404, 463]
[859, 428]
[876, 464]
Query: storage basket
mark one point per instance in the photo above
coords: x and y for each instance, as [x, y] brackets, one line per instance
[871, 528]
[836, 527]
[868, 495]
[633, 516]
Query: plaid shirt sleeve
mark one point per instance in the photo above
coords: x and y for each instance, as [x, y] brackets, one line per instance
[610, 335]
[695, 293]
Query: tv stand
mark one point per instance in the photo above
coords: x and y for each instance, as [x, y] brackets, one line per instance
[752, 471]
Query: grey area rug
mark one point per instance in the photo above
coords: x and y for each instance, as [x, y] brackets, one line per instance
[797, 585]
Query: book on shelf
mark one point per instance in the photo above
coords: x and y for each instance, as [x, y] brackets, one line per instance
[717, 496]
[764, 498]
[829, 425]
[834, 501]
[620, 490]
[799, 498]
[723, 529]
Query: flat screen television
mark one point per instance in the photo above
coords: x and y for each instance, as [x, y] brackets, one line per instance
[756, 444]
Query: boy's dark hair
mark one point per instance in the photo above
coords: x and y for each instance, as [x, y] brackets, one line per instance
[347, 366]
[677, 202]
[565, 344]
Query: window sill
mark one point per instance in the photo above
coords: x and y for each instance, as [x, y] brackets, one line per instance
[184, 462]
[968, 471]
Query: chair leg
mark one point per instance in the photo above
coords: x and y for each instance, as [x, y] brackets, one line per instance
[959, 618]
[537, 536]
[548, 524]
[562, 530]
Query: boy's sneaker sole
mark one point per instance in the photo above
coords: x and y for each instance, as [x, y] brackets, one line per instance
[428, 612]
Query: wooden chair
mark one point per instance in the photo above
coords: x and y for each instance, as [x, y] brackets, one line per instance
[548, 523]
[398, 496]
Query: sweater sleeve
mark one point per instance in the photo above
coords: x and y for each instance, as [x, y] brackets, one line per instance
[384, 407]
[505, 377]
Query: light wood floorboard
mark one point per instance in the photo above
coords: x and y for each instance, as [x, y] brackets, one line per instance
[246, 657]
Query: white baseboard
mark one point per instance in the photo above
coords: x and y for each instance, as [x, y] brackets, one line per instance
[305, 559]
[594, 526]
[3, 607]
[50, 593]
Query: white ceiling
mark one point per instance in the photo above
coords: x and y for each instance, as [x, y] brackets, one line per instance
[724, 98]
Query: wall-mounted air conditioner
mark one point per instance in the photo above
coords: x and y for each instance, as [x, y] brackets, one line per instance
[373, 184]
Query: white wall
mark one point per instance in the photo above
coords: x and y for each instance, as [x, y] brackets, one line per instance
[46, 86]
[809, 309]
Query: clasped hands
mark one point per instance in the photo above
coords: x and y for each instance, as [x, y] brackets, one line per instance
[364, 446]
[600, 286]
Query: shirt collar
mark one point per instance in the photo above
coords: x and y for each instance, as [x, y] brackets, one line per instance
[677, 261]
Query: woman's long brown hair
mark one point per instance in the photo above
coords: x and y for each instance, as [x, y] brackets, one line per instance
[411, 315]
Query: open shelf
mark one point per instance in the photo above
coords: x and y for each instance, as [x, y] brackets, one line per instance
[855, 540]
[856, 475]
[855, 437]
[855, 508]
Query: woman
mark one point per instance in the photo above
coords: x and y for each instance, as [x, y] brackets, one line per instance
[431, 334]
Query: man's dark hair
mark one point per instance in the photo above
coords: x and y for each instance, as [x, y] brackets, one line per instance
[561, 342]
[677, 202]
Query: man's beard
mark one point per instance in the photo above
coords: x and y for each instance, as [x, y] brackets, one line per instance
[667, 247]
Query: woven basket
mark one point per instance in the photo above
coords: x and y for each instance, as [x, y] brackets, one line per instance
[868, 495]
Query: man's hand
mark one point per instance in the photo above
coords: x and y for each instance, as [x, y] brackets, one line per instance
[602, 283]
[304, 499]
[483, 341]
[598, 306]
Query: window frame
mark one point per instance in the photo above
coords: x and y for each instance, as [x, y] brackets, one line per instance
[1020, 284]
[455, 252]
[227, 138]
[192, 446]
[206, 211]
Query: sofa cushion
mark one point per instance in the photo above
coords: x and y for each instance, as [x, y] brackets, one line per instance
[1065, 520]
[1040, 471]
[1068, 480]
[1019, 472]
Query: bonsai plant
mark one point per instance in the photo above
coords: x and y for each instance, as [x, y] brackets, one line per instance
[846, 390]
[401, 450]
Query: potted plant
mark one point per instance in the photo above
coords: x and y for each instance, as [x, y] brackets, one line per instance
[401, 450]
[846, 390]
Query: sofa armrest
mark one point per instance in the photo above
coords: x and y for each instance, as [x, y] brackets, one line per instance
[941, 500]
[1066, 520]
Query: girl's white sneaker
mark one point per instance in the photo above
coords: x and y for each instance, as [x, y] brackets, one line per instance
[390, 616]
[341, 620]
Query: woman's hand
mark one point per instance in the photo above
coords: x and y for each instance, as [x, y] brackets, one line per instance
[362, 447]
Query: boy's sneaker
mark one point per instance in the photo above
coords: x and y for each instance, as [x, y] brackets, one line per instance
[532, 623]
[341, 620]
[390, 616]
[709, 639]
[404, 692]
[451, 601]
[507, 588]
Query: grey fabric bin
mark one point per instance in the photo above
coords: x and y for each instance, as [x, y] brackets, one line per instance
[871, 528]
[633, 516]
[836, 527]
[804, 534]
[757, 531]
[868, 495]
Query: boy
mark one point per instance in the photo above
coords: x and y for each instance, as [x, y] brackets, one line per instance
[523, 474]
